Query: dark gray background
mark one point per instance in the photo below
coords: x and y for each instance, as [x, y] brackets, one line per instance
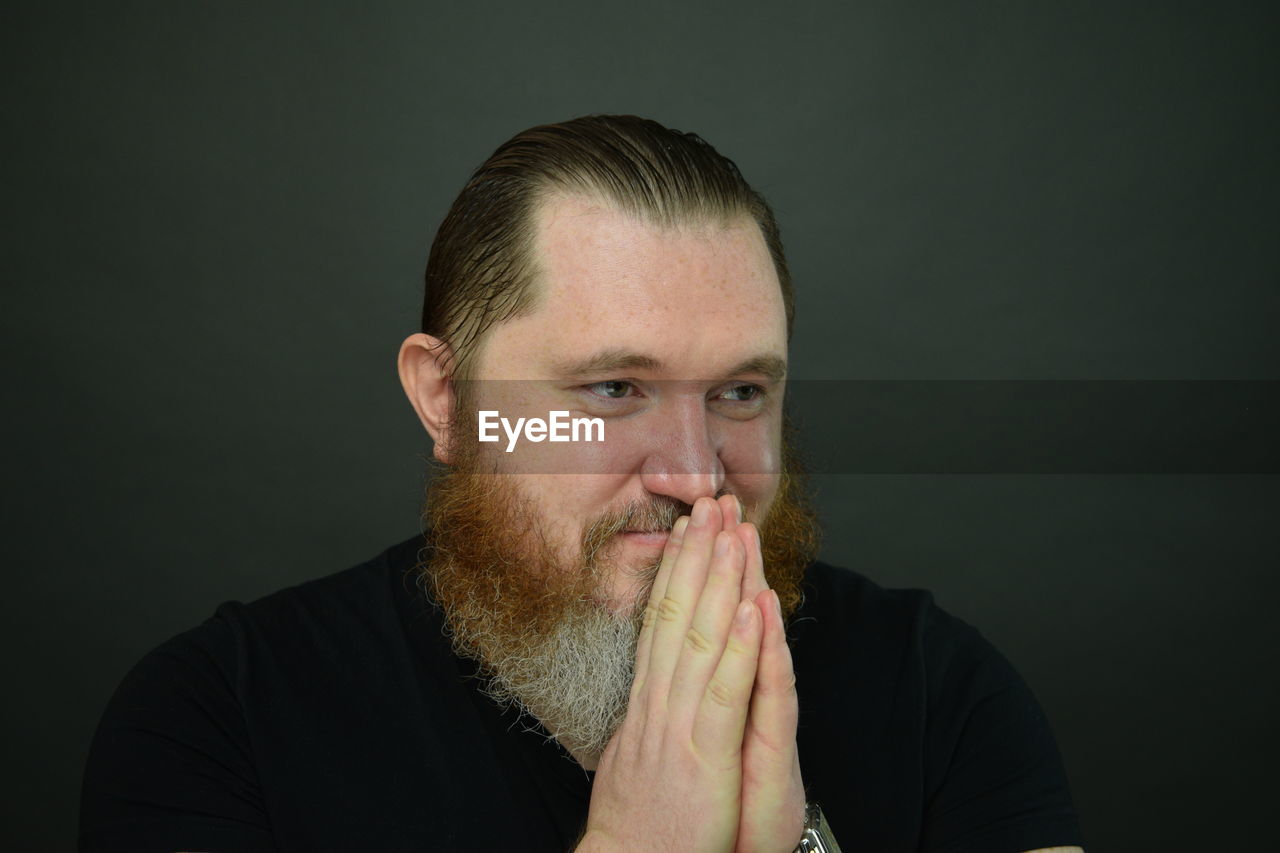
[218, 217]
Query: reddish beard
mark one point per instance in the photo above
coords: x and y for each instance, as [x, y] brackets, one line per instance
[540, 625]
[504, 585]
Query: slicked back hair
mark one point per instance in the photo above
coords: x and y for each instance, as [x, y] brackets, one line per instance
[481, 265]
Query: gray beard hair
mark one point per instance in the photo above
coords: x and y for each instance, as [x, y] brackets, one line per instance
[575, 680]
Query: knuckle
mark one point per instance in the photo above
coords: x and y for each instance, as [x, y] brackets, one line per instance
[784, 686]
[725, 572]
[696, 642]
[737, 648]
[777, 752]
[670, 610]
[720, 693]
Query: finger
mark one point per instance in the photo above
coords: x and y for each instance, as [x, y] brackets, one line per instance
[709, 629]
[656, 595]
[684, 585]
[774, 706]
[730, 511]
[753, 580]
[722, 713]
[734, 514]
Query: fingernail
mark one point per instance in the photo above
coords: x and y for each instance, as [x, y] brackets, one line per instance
[742, 513]
[701, 512]
[743, 617]
[722, 543]
[677, 530]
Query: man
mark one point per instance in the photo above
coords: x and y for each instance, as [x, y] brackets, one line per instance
[612, 638]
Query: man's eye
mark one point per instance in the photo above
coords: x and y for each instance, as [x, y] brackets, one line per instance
[615, 389]
[743, 393]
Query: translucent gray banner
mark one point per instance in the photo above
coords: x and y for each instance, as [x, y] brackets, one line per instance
[881, 426]
[1038, 427]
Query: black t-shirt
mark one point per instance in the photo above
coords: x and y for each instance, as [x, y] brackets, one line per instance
[333, 716]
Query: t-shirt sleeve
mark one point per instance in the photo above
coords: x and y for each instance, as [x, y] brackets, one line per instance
[170, 767]
[995, 782]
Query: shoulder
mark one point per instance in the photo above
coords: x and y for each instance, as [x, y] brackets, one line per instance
[843, 610]
[338, 594]
[176, 751]
[319, 617]
[843, 607]
[850, 625]
[935, 695]
[325, 615]
[832, 593]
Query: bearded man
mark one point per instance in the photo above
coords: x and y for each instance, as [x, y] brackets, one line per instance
[614, 643]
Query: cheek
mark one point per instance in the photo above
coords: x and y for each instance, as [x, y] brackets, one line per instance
[751, 448]
[752, 457]
[567, 504]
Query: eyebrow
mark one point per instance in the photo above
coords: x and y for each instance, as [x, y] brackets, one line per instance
[771, 366]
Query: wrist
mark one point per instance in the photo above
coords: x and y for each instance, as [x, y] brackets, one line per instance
[817, 837]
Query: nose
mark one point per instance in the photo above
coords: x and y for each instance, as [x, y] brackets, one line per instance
[683, 460]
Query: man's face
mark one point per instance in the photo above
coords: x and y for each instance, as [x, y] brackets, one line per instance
[676, 339]
[542, 558]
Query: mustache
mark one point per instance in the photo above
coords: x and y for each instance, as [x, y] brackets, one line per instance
[657, 514]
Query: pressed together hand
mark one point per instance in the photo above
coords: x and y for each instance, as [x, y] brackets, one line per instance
[706, 758]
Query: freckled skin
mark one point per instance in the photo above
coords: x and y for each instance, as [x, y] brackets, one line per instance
[699, 299]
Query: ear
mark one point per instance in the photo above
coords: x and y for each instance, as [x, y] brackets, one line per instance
[423, 363]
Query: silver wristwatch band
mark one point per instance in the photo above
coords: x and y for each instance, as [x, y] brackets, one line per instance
[817, 836]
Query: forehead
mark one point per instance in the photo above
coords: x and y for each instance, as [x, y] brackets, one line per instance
[696, 297]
